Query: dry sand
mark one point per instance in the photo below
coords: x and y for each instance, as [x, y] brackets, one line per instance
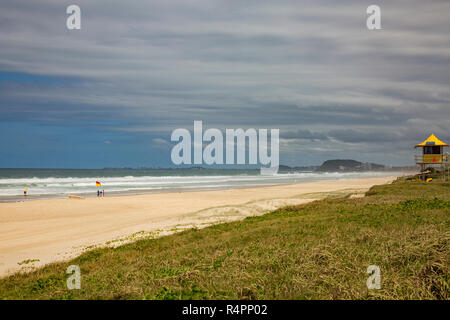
[35, 233]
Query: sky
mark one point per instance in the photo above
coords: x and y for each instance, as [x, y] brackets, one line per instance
[110, 94]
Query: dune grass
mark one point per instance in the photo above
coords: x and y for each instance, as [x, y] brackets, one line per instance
[319, 250]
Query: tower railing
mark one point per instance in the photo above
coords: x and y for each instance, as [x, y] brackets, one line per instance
[432, 159]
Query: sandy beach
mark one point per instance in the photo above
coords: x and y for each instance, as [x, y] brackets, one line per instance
[35, 233]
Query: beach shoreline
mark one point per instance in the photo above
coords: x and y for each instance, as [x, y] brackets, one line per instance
[59, 184]
[35, 233]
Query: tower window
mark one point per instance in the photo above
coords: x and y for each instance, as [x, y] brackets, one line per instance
[432, 150]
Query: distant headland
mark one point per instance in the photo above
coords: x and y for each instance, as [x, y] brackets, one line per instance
[334, 165]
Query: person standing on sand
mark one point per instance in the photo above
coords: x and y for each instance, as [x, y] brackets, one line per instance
[25, 192]
[98, 184]
[103, 193]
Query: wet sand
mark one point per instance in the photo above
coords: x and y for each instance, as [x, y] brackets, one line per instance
[59, 229]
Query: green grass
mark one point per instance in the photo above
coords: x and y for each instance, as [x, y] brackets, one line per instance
[320, 250]
[27, 261]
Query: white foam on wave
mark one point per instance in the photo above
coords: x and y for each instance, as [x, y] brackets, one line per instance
[86, 185]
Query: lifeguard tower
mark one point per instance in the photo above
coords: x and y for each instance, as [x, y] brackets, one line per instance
[432, 154]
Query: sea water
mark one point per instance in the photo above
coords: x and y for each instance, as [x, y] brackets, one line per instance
[58, 183]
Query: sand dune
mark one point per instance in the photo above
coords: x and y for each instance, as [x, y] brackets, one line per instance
[52, 230]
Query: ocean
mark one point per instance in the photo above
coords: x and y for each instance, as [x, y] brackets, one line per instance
[59, 183]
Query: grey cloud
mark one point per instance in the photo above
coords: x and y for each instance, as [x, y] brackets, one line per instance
[310, 68]
[303, 135]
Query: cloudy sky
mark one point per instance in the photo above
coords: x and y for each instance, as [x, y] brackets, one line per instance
[111, 93]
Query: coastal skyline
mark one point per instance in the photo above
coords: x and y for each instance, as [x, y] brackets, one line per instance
[110, 94]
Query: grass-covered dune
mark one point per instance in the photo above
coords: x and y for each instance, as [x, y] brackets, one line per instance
[320, 250]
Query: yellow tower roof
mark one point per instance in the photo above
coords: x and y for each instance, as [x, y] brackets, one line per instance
[432, 141]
